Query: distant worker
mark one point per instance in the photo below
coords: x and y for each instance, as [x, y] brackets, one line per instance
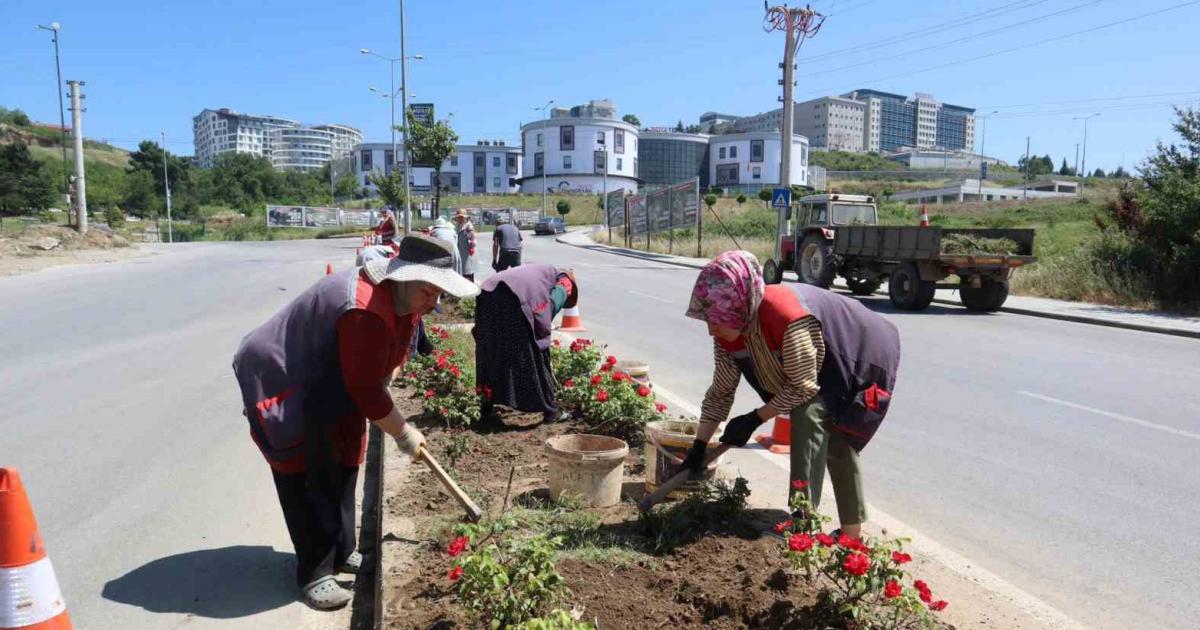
[314, 374]
[513, 318]
[466, 243]
[506, 247]
[387, 229]
[444, 231]
[824, 358]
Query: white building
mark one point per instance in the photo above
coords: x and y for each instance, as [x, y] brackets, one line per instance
[751, 160]
[225, 131]
[571, 151]
[830, 122]
[485, 167]
[345, 138]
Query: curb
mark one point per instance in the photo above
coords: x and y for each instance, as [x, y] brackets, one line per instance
[1014, 310]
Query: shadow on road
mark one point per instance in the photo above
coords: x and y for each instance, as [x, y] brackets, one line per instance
[224, 583]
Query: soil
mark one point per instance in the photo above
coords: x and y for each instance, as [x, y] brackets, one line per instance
[41, 246]
[450, 314]
[724, 579]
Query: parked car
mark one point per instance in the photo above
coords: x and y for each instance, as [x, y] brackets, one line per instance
[550, 225]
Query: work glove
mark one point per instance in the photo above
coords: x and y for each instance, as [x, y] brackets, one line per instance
[694, 462]
[739, 429]
[410, 440]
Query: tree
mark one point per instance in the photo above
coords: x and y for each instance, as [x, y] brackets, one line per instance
[25, 183]
[14, 117]
[632, 119]
[710, 200]
[244, 181]
[140, 199]
[1120, 173]
[149, 158]
[694, 129]
[345, 187]
[1036, 166]
[679, 126]
[765, 195]
[1064, 169]
[563, 206]
[431, 144]
[390, 187]
[741, 199]
[1098, 173]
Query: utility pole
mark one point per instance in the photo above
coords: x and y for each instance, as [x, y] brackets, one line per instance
[797, 24]
[1083, 173]
[1025, 191]
[983, 153]
[545, 153]
[404, 119]
[1077, 162]
[62, 118]
[77, 134]
[167, 188]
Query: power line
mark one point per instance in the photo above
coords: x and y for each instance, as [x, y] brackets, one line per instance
[849, 8]
[960, 40]
[1089, 100]
[1077, 110]
[1121, 22]
[968, 19]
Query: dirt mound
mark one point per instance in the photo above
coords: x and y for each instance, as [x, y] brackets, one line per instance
[37, 239]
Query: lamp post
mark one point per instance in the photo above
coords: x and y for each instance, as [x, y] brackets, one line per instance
[982, 151]
[545, 145]
[1083, 168]
[392, 92]
[62, 117]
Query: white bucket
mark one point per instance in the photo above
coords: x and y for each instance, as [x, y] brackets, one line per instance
[590, 467]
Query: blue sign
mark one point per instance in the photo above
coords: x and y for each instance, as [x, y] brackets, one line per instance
[781, 198]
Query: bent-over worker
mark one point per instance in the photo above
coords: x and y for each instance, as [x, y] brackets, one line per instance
[311, 377]
[506, 247]
[825, 358]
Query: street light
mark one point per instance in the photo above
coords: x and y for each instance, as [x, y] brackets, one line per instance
[982, 150]
[62, 117]
[404, 109]
[545, 153]
[1083, 168]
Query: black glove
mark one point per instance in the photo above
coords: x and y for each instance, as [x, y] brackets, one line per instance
[739, 429]
[694, 462]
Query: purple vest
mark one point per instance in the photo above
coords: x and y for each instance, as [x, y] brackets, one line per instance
[531, 284]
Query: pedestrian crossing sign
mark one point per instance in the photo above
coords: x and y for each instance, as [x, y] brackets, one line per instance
[781, 198]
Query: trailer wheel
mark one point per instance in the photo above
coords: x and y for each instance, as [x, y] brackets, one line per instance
[771, 272]
[989, 297]
[815, 265]
[907, 290]
[863, 286]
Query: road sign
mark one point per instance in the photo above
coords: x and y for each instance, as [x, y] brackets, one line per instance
[781, 198]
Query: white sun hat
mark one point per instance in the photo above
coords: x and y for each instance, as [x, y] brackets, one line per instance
[425, 259]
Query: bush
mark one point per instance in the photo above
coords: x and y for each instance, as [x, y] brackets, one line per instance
[114, 217]
[511, 581]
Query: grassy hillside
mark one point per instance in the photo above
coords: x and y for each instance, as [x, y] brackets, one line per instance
[44, 144]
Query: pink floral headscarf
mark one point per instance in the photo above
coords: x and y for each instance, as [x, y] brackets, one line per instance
[728, 291]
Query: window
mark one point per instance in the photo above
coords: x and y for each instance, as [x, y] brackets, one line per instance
[733, 152]
[619, 163]
[756, 172]
[479, 161]
[389, 159]
[756, 150]
[453, 160]
[618, 141]
[539, 140]
[722, 153]
[495, 182]
[600, 137]
[601, 166]
[366, 160]
[538, 166]
[566, 162]
[566, 138]
[727, 174]
[480, 183]
[512, 182]
[496, 161]
[511, 166]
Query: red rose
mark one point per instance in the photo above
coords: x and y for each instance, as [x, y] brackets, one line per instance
[569, 383]
[921, 585]
[892, 589]
[611, 360]
[487, 391]
[596, 380]
[441, 361]
[826, 540]
[602, 395]
[853, 544]
[429, 393]
[926, 596]
[444, 411]
[938, 606]
[781, 526]
[457, 546]
[410, 376]
[606, 368]
[661, 407]
[901, 558]
[856, 564]
[619, 376]
[802, 542]
[923, 589]
[455, 371]
[455, 573]
[799, 484]
[449, 353]
[643, 391]
[556, 343]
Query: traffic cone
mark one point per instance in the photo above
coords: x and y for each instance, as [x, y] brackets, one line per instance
[780, 439]
[924, 216]
[328, 269]
[29, 595]
[571, 321]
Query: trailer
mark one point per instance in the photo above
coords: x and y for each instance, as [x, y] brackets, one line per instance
[836, 235]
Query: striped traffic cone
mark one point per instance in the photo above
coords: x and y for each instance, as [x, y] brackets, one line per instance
[571, 321]
[924, 216]
[29, 594]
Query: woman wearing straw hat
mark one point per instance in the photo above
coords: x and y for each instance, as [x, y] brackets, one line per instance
[315, 373]
[513, 318]
[466, 243]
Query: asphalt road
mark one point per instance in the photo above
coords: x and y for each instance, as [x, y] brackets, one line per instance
[1059, 456]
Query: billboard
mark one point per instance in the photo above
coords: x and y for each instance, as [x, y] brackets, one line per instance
[321, 217]
[639, 218]
[285, 216]
[659, 211]
[364, 218]
[318, 217]
[616, 208]
[685, 203]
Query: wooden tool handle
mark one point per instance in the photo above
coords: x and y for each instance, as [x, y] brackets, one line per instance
[678, 480]
[473, 511]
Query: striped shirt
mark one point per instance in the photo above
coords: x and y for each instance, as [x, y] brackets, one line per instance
[789, 374]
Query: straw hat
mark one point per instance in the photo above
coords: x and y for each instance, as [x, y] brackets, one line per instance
[425, 259]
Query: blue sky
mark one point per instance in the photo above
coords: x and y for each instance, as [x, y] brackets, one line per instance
[151, 66]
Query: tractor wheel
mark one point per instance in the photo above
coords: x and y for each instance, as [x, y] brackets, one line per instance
[815, 265]
[907, 290]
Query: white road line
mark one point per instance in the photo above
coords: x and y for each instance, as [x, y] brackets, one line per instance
[652, 297]
[1114, 416]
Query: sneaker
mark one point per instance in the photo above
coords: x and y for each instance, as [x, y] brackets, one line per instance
[324, 593]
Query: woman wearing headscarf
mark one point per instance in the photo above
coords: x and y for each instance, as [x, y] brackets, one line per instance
[466, 243]
[513, 318]
[442, 230]
[824, 358]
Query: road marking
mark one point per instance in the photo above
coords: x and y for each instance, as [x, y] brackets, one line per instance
[1114, 416]
[652, 297]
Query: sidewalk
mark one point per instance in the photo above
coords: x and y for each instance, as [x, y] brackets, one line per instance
[1081, 312]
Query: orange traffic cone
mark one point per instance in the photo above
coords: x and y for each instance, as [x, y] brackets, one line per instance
[328, 269]
[29, 594]
[571, 321]
[924, 216]
[780, 440]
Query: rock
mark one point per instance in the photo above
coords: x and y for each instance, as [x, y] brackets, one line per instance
[45, 243]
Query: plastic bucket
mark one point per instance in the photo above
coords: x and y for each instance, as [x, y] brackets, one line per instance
[590, 467]
[675, 437]
[639, 371]
[781, 430]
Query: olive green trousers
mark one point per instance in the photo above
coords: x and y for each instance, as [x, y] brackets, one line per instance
[815, 446]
